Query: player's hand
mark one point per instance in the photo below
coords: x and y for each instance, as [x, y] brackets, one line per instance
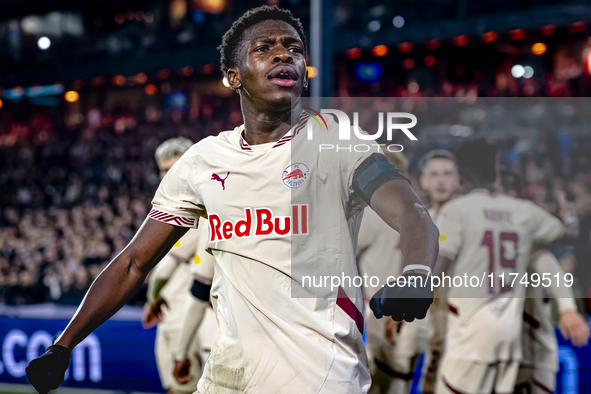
[181, 371]
[153, 313]
[392, 331]
[407, 302]
[47, 371]
[574, 327]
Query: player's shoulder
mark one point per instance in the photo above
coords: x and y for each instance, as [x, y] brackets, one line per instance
[214, 143]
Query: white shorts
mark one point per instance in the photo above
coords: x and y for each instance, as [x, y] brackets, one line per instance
[470, 377]
[532, 380]
[164, 350]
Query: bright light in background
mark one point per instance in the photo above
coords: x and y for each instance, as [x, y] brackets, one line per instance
[1, 103]
[150, 89]
[379, 50]
[517, 34]
[528, 72]
[374, 26]
[413, 87]
[489, 37]
[408, 64]
[405, 47]
[353, 53]
[517, 71]
[43, 43]
[460, 41]
[312, 71]
[398, 21]
[71, 96]
[539, 48]
[225, 82]
[429, 60]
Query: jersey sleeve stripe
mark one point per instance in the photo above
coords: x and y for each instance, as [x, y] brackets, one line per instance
[171, 219]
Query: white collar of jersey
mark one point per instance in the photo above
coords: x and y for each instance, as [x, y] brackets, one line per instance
[302, 120]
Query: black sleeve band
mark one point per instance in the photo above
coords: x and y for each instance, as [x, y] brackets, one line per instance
[200, 290]
[372, 173]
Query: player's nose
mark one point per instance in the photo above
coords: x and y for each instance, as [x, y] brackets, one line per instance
[282, 55]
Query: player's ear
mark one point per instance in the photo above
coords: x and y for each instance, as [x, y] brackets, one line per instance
[306, 80]
[234, 78]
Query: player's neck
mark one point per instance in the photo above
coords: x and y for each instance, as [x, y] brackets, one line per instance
[263, 126]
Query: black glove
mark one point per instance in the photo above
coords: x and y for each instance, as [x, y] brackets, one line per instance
[407, 302]
[47, 371]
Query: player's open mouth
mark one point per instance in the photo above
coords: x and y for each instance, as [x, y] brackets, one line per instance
[283, 77]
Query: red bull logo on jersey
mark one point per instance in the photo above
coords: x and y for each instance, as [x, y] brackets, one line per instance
[259, 222]
[295, 174]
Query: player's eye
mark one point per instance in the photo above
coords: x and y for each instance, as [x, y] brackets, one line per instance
[261, 49]
[295, 49]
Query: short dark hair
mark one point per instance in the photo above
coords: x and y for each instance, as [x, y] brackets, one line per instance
[511, 181]
[477, 162]
[437, 154]
[234, 36]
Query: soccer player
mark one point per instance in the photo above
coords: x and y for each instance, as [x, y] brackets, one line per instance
[486, 236]
[392, 347]
[170, 285]
[268, 232]
[441, 180]
[539, 363]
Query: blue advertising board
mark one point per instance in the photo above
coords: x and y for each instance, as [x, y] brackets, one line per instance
[119, 355]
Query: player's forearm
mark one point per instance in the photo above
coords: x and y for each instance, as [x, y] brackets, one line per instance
[108, 293]
[418, 237]
[548, 265]
[398, 205]
[192, 318]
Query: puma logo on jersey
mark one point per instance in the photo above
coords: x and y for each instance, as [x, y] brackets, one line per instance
[259, 222]
[216, 177]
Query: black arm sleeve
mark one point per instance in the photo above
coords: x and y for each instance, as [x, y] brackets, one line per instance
[372, 173]
[200, 290]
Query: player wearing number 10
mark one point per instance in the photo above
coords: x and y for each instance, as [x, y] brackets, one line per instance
[484, 234]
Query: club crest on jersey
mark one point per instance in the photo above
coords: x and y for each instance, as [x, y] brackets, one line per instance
[259, 222]
[295, 174]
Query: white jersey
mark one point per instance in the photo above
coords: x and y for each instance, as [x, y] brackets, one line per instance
[489, 236]
[277, 212]
[177, 289]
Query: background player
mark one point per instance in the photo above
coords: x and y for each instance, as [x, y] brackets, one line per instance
[170, 284]
[441, 180]
[267, 339]
[198, 317]
[393, 347]
[539, 363]
[483, 233]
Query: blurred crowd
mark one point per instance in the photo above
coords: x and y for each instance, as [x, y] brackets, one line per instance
[72, 202]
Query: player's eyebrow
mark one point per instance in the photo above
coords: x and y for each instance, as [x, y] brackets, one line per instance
[272, 40]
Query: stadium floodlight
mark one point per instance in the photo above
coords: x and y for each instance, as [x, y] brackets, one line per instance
[374, 26]
[528, 72]
[43, 43]
[398, 21]
[517, 71]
